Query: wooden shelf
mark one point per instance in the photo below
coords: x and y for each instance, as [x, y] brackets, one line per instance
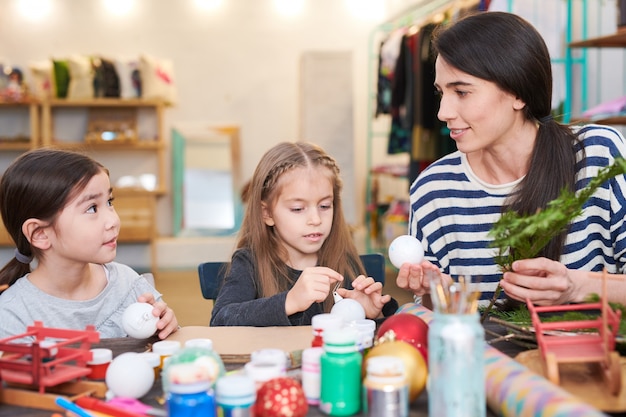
[133, 191]
[103, 102]
[140, 145]
[616, 40]
[24, 103]
[613, 120]
[15, 145]
[25, 140]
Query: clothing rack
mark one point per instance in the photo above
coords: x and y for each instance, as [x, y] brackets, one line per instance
[415, 17]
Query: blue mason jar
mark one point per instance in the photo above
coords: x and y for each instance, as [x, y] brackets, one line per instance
[456, 366]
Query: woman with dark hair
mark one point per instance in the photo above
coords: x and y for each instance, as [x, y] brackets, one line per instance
[494, 76]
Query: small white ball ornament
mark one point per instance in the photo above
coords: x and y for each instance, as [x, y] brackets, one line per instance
[405, 248]
[129, 375]
[138, 321]
[348, 309]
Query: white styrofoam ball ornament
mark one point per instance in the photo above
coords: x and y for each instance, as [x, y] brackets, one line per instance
[129, 375]
[138, 321]
[405, 248]
[348, 309]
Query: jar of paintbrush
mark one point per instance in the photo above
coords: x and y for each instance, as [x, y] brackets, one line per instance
[456, 344]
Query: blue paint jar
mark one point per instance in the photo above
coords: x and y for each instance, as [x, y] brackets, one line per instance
[235, 396]
[187, 397]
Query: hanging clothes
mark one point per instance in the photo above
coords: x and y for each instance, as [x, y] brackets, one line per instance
[387, 58]
[403, 96]
[428, 131]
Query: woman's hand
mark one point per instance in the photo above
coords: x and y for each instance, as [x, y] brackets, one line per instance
[313, 286]
[167, 323]
[369, 293]
[415, 277]
[543, 281]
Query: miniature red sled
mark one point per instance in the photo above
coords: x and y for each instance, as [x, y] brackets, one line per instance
[33, 365]
[558, 342]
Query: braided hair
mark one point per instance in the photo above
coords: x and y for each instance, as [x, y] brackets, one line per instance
[338, 251]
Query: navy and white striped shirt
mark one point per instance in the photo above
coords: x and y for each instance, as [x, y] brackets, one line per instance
[452, 211]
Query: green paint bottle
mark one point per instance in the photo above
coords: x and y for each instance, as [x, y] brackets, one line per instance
[341, 373]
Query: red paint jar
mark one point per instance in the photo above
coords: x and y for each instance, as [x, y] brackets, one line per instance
[324, 322]
[99, 363]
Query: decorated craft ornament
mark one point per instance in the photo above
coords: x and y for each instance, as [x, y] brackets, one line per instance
[281, 397]
[405, 249]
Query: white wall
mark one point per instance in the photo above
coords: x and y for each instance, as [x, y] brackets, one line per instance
[236, 64]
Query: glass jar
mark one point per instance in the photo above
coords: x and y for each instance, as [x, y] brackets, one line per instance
[456, 366]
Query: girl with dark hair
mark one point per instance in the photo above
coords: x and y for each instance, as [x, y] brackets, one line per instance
[294, 246]
[494, 76]
[58, 208]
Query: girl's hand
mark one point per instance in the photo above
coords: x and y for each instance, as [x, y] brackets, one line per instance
[313, 286]
[414, 277]
[368, 293]
[543, 281]
[167, 323]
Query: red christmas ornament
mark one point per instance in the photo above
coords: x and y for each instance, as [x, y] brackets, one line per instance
[408, 328]
[281, 397]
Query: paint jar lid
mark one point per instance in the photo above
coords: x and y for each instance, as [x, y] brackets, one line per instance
[263, 371]
[237, 390]
[326, 321]
[200, 342]
[100, 356]
[166, 347]
[152, 358]
[277, 356]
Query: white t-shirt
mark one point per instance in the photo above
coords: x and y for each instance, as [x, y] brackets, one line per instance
[23, 303]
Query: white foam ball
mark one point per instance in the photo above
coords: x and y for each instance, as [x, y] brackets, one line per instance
[129, 375]
[405, 248]
[138, 321]
[348, 309]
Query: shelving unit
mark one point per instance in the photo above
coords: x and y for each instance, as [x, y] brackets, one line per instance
[68, 124]
[19, 132]
[616, 40]
[18, 140]
[149, 130]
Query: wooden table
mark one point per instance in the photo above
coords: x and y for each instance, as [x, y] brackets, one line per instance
[419, 408]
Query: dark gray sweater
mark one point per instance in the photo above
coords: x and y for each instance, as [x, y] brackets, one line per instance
[238, 302]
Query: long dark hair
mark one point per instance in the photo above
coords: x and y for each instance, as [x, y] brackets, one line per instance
[38, 184]
[505, 49]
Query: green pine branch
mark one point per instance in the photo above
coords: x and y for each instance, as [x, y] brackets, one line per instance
[524, 236]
